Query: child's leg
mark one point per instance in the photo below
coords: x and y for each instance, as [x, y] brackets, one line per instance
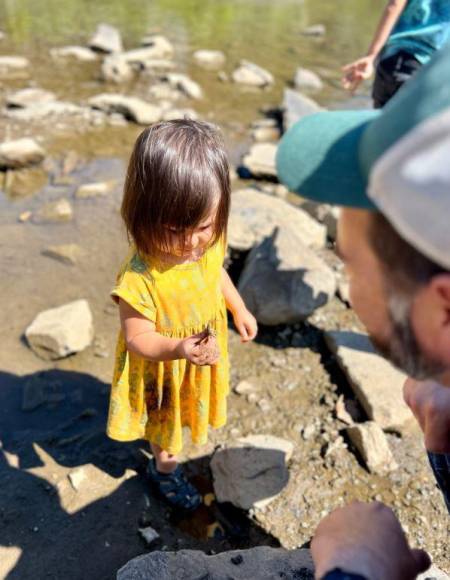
[165, 462]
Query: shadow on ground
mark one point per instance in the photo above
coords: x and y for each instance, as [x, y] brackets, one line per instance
[53, 422]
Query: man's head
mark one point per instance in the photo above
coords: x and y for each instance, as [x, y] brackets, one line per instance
[402, 297]
[393, 169]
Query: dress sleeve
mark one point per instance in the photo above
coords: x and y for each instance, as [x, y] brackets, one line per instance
[135, 287]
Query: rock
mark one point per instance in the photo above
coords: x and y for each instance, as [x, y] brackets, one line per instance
[34, 393]
[433, 573]
[254, 215]
[20, 153]
[309, 431]
[375, 382]
[315, 30]
[76, 478]
[149, 534]
[307, 80]
[25, 216]
[43, 110]
[245, 388]
[251, 74]
[171, 114]
[161, 47]
[324, 213]
[370, 440]
[13, 63]
[251, 471]
[54, 211]
[80, 53]
[116, 69]
[97, 189]
[132, 108]
[295, 106]
[344, 288]
[261, 563]
[106, 39]
[260, 160]
[264, 134]
[341, 411]
[27, 97]
[209, 59]
[183, 83]
[61, 331]
[164, 92]
[65, 253]
[284, 281]
[23, 182]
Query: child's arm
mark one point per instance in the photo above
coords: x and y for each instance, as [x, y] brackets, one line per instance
[142, 339]
[362, 68]
[244, 320]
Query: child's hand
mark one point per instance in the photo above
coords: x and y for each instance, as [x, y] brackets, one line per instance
[246, 324]
[200, 349]
[355, 72]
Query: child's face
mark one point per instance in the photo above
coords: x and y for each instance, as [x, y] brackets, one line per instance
[195, 240]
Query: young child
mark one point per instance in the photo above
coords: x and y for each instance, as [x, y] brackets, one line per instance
[409, 33]
[171, 367]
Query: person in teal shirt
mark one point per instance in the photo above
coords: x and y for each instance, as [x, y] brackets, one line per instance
[409, 33]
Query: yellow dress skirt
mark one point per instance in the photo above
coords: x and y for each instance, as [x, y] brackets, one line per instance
[155, 400]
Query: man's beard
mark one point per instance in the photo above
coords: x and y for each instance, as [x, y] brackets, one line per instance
[402, 347]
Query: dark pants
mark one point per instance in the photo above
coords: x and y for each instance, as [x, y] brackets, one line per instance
[440, 462]
[391, 74]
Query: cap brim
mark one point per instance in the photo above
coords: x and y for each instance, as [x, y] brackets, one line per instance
[318, 158]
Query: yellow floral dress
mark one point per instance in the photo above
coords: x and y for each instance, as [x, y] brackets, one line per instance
[155, 400]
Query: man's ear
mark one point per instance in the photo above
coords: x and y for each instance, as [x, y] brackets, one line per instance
[431, 318]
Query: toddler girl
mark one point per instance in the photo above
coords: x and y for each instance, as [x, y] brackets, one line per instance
[171, 367]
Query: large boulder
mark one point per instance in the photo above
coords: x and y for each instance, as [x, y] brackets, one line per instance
[254, 215]
[370, 441]
[251, 472]
[59, 332]
[260, 563]
[375, 382]
[106, 39]
[132, 108]
[260, 160]
[283, 281]
[20, 153]
[295, 106]
[251, 74]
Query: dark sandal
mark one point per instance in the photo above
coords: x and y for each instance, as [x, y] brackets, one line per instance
[174, 487]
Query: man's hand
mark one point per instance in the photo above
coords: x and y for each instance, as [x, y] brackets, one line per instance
[366, 539]
[356, 72]
[246, 324]
[430, 403]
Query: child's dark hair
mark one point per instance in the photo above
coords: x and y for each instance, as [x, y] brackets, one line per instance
[178, 170]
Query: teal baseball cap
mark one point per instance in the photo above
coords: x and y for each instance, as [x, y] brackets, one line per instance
[329, 156]
[395, 160]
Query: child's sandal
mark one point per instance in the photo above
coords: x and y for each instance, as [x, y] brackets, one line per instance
[175, 488]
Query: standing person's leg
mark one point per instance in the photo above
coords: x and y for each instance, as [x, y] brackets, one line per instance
[391, 74]
[440, 463]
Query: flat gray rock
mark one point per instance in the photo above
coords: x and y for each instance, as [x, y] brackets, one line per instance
[27, 97]
[260, 563]
[249, 73]
[307, 80]
[251, 472]
[376, 383]
[132, 108]
[81, 53]
[254, 216]
[260, 160]
[209, 59]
